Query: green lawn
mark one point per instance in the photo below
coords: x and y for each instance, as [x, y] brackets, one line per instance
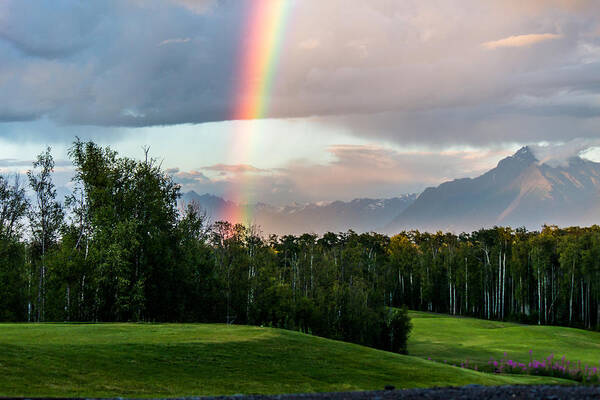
[175, 359]
[456, 339]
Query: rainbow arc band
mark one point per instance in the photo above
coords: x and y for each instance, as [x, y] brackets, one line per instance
[261, 43]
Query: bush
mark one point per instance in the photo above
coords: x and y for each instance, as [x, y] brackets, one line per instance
[398, 327]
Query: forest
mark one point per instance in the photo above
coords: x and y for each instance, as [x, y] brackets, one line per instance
[121, 247]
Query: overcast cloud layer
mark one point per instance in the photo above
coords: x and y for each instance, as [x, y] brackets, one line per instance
[460, 70]
[408, 79]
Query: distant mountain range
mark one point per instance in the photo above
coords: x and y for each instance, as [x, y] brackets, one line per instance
[361, 215]
[520, 191]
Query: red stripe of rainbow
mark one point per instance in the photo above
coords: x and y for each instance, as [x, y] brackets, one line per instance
[260, 52]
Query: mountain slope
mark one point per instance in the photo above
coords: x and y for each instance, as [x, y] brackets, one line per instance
[520, 191]
[361, 215]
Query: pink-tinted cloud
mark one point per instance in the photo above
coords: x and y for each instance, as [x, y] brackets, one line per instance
[355, 171]
[521, 40]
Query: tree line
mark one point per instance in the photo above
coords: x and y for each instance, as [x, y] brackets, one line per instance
[121, 248]
[546, 277]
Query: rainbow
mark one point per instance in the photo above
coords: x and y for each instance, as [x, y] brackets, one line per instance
[261, 41]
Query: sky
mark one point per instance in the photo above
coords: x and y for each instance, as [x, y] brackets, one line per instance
[364, 98]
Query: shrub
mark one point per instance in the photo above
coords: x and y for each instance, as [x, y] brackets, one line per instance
[398, 327]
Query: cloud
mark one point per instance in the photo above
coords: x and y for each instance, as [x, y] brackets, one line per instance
[174, 41]
[559, 154]
[404, 72]
[188, 177]
[101, 64]
[354, 171]
[196, 6]
[42, 36]
[309, 44]
[235, 169]
[521, 40]
[12, 162]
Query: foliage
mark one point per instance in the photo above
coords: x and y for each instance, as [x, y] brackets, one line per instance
[399, 327]
[561, 368]
[45, 219]
[128, 250]
[13, 283]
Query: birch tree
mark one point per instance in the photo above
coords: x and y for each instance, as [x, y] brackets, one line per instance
[45, 219]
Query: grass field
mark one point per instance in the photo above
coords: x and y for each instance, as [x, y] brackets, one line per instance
[456, 339]
[175, 360]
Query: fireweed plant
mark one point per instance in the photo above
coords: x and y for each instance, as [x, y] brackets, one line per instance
[550, 366]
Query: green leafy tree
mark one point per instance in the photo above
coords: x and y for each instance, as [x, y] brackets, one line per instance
[45, 219]
[13, 282]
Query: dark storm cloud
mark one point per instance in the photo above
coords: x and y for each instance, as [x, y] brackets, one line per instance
[51, 30]
[432, 73]
[117, 63]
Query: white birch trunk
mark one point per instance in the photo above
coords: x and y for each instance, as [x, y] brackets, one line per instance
[466, 286]
[571, 297]
[539, 298]
[503, 281]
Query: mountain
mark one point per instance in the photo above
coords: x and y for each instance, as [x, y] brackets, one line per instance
[520, 191]
[361, 215]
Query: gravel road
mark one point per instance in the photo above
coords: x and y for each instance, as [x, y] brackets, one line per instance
[462, 393]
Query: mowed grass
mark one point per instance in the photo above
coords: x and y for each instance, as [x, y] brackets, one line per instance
[152, 360]
[456, 339]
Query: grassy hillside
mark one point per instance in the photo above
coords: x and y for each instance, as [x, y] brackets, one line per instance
[456, 339]
[174, 360]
